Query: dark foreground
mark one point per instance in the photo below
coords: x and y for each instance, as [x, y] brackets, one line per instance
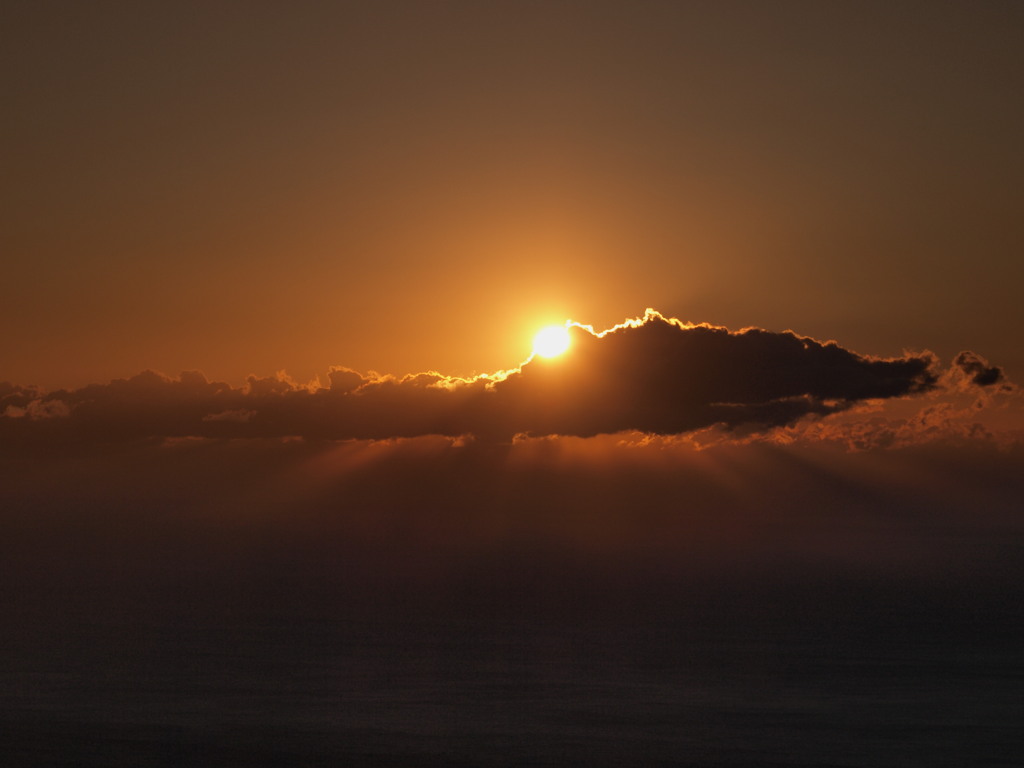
[164, 684]
[474, 616]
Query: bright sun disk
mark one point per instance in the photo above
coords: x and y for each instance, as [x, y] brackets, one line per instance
[551, 341]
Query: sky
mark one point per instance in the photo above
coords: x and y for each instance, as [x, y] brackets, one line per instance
[281, 475]
[402, 187]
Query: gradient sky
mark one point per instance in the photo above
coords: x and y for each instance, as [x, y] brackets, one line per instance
[241, 188]
[280, 481]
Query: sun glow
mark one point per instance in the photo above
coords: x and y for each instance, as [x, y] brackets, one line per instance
[551, 341]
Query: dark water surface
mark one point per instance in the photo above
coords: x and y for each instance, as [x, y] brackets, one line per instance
[166, 684]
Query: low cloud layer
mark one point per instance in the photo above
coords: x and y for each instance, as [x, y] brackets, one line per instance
[653, 375]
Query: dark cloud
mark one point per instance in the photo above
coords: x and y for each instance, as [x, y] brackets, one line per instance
[663, 377]
[978, 370]
[653, 375]
[14, 400]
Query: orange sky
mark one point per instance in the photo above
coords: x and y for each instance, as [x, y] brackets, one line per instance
[257, 505]
[409, 186]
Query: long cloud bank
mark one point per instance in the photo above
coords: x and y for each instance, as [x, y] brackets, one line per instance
[653, 374]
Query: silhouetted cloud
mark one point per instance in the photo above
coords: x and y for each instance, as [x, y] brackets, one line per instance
[661, 376]
[654, 375]
[978, 370]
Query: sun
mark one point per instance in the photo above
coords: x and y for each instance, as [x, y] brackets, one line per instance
[551, 341]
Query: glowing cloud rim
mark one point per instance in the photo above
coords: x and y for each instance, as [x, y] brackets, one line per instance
[649, 375]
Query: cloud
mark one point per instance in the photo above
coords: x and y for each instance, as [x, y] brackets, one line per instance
[661, 376]
[653, 375]
[977, 371]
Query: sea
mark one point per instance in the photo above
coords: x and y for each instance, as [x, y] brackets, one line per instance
[177, 681]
